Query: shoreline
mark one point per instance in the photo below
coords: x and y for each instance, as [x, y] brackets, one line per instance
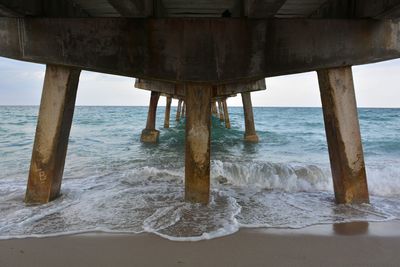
[344, 244]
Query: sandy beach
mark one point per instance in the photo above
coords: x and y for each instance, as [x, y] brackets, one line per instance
[350, 244]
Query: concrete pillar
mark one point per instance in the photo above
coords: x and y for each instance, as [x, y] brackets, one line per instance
[197, 153]
[214, 110]
[183, 113]
[226, 114]
[343, 135]
[52, 133]
[150, 134]
[250, 130]
[167, 111]
[178, 110]
[221, 111]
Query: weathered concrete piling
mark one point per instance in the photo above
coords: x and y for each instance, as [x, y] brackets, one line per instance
[214, 109]
[185, 50]
[221, 111]
[183, 110]
[167, 111]
[198, 136]
[250, 134]
[226, 114]
[343, 135]
[52, 133]
[150, 134]
[178, 110]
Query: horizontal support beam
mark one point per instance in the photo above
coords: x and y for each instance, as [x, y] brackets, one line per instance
[133, 8]
[162, 87]
[262, 8]
[240, 87]
[8, 12]
[356, 9]
[20, 8]
[389, 9]
[44, 8]
[216, 51]
[219, 91]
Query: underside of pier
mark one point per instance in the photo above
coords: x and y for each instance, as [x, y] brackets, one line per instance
[200, 52]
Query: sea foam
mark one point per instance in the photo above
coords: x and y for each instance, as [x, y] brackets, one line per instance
[151, 200]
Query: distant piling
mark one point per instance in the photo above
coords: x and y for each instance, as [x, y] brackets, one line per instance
[150, 134]
[167, 111]
[250, 130]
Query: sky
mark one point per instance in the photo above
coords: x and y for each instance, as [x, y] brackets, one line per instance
[376, 85]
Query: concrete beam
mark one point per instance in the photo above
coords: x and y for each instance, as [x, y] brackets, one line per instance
[41, 8]
[133, 8]
[198, 136]
[262, 8]
[219, 91]
[20, 8]
[8, 12]
[52, 133]
[389, 9]
[233, 50]
[62, 8]
[356, 9]
[225, 90]
[343, 135]
[168, 88]
[338, 9]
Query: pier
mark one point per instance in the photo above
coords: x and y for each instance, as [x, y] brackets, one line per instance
[201, 53]
[219, 108]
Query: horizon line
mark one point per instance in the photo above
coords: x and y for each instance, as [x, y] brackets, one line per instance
[37, 105]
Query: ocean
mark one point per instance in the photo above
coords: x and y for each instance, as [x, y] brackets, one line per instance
[114, 183]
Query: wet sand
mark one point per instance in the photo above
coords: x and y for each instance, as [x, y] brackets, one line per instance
[350, 244]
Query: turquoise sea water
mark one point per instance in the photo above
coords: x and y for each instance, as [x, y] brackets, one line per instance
[114, 183]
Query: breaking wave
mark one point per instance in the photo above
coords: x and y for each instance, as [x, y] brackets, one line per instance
[113, 183]
[150, 200]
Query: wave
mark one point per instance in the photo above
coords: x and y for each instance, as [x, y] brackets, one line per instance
[282, 176]
[149, 199]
